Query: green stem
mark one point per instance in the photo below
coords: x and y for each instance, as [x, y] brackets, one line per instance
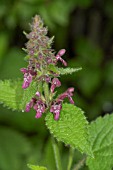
[71, 154]
[56, 154]
[79, 164]
[46, 92]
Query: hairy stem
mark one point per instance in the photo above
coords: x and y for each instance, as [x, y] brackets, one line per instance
[56, 154]
[46, 92]
[71, 154]
[79, 164]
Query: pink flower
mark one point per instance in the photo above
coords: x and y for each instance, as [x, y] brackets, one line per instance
[57, 105]
[37, 104]
[59, 54]
[37, 94]
[68, 93]
[23, 70]
[40, 108]
[27, 80]
[55, 83]
[30, 105]
[55, 109]
[28, 74]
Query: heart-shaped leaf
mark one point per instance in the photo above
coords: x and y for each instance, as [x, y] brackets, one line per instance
[71, 128]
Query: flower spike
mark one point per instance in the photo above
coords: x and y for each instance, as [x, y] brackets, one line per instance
[42, 69]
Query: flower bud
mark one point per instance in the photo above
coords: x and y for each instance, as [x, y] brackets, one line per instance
[58, 56]
[61, 52]
[55, 83]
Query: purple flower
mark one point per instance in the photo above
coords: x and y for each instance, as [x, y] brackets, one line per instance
[57, 105]
[47, 79]
[49, 60]
[40, 108]
[23, 70]
[27, 80]
[30, 104]
[59, 54]
[55, 83]
[38, 105]
[55, 109]
[37, 94]
[68, 93]
[28, 74]
[40, 56]
[38, 65]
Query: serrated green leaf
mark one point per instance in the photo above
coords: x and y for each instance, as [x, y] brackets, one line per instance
[71, 128]
[29, 93]
[13, 148]
[11, 94]
[34, 167]
[101, 136]
[68, 70]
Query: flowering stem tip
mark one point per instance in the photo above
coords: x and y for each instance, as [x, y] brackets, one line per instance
[40, 58]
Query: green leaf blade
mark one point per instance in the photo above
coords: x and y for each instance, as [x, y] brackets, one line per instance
[71, 128]
[68, 70]
[11, 94]
[29, 93]
[101, 136]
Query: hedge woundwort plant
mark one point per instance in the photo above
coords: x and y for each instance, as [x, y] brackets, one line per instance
[66, 122]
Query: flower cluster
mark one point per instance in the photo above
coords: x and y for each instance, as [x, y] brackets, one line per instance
[42, 68]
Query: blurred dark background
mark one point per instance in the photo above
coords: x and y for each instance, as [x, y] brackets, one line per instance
[85, 29]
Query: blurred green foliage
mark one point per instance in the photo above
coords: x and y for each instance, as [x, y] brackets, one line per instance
[85, 29]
